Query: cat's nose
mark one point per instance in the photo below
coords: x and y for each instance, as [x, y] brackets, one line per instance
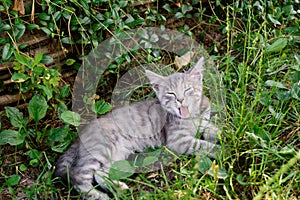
[180, 100]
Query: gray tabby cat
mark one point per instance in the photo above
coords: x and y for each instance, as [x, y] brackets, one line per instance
[173, 120]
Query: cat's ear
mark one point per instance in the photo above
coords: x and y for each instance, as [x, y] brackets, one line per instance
[196, 72]
[155, 79]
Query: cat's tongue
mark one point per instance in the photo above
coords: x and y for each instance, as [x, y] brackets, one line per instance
[184, 112]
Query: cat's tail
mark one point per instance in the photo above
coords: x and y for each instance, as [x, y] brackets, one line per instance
[65, 161]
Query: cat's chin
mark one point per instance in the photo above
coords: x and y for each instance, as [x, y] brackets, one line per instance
[184, 117]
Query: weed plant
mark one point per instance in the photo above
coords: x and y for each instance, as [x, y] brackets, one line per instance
[255, 45]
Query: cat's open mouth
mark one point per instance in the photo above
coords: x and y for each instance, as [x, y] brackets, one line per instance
[184, 112]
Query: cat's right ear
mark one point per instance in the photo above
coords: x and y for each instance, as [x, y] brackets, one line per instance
[196, 72]
[155, 80]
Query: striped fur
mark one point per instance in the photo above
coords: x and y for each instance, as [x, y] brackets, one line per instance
[173, 120]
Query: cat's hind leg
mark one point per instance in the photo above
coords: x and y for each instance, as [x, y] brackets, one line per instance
[82, 177]
[87, 190]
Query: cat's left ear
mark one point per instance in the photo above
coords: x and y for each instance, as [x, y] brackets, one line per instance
[196, 72]
[155, 80]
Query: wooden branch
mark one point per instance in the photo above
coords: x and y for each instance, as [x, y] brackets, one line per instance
[8, 99]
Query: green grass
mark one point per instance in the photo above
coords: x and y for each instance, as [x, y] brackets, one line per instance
[259, 61]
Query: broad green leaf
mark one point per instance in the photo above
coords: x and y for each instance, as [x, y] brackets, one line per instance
[121, 169]
[283, 95]
[135, 22]
[154, 38]
[37, 59]
[62, 147]
[67, 40]
[44, 16]
[275, 84]
[32, 26]
[54, 81]
[19, 77]
[47, 60]
[260, 132]
[20, 26]
[15, 116]
[47, 91]
[288, 9]
[84, 21]
[11, 137]
[57, 15]
[167, 7]
[37, 107]
[292, 30]
[22, 59]
[5, 27]
[185, 8]
[3, 41]
[71, 118]
[204, 164]
[61, 107]
[22, 167]
[35, 157]
[143, 34]
[46, 30]
[58, 134]
[101, 107]
[38, 70]
[123, 3]
[34, 162]
[43, 23]
[277, 46]
[64, 91]
[108, 22]
[222, 173]
[274, 21]
[12, 180]
[70, 61]
[149, 160]
[34, 154]
[66, 15]
[165, 36]
[19, 31]
[178, 15]
[22, 46]
[7, 51]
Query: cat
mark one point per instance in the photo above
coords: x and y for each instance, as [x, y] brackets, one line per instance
[173, 119]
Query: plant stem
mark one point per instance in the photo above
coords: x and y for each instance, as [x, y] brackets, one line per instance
[282, 170]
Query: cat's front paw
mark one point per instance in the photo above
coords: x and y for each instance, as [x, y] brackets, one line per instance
[121, 185]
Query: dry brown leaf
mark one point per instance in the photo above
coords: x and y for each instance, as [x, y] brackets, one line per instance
[184, 59]
[19, 6]
[153, 175]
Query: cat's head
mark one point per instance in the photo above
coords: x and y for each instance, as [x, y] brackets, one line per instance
[180, 93]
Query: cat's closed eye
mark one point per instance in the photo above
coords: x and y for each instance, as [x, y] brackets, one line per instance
[171, 94]
[189, 91]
